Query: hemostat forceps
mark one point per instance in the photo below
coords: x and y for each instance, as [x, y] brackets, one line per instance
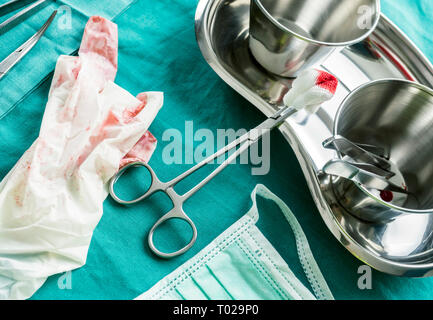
[244, 142]
[19, 53]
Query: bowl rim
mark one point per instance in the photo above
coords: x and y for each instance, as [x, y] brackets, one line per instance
[318, 42]
[335, 132]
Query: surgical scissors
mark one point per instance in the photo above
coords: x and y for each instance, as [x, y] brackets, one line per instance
[16, 56]
[177, 212]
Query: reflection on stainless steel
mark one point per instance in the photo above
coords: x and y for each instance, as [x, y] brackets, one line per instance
[403, 246]
[397, 115]
[289, 36]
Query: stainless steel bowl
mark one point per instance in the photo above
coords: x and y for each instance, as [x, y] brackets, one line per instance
[398, 116]
[288, 36]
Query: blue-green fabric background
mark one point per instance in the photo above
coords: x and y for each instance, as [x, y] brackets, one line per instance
[158, 51]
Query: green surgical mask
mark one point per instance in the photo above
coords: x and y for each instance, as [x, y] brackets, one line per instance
[241, 264]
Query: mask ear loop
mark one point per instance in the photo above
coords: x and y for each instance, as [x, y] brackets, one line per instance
[309, 264]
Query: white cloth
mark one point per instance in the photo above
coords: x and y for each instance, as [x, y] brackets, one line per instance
[51, 201]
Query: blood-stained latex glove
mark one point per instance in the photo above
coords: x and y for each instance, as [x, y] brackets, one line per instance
[51, 201]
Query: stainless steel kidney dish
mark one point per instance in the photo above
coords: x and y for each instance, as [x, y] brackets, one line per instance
[288, 36]
[400, 246]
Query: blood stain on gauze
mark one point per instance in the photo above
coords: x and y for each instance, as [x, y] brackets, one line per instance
[327, 81]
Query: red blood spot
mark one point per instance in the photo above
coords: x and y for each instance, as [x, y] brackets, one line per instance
[327, 81]
[386, 195]
[100, 38]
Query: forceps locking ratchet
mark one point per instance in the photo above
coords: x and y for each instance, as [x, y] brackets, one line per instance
[19, 53]
[177, 212]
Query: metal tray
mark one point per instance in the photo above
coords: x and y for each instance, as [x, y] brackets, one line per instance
[402, 247]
